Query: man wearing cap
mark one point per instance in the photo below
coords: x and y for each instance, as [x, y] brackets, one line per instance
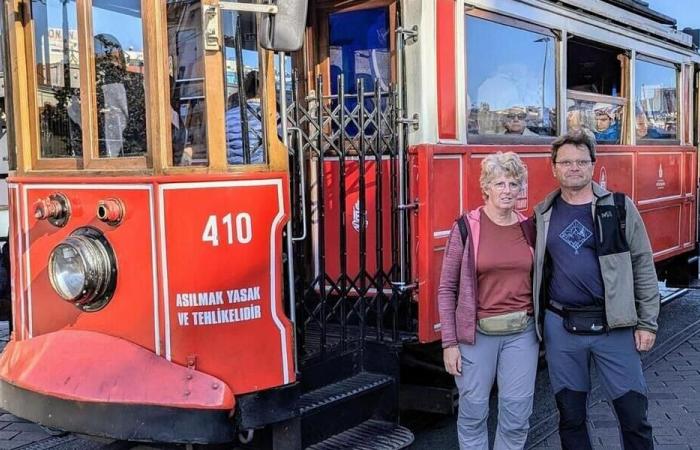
[606, 127]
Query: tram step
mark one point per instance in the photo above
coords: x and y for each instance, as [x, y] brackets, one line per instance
[369, 435]
[354, 386]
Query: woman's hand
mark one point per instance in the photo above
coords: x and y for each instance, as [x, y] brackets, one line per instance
[453, 360]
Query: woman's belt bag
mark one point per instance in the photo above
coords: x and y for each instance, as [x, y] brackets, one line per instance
[585, 320]
[504, 324]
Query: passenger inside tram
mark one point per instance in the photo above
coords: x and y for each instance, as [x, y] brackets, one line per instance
[607, 127]
[515, 122]
[244, 113]
[120, 101]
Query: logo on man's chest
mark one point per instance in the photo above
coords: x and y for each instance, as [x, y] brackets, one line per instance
[576, 234]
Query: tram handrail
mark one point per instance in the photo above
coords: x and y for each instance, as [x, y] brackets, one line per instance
[302, 183]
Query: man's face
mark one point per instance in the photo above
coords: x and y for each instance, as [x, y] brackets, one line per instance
[515, 122]
[573, 167]
[602, 121]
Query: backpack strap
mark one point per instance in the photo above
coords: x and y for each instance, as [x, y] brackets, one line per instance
[463, 230]
[619, 198]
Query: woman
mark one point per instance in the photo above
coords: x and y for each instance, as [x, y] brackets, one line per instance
[485, 302]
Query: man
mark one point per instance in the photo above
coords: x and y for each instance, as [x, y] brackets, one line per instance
[592, 277]
[606, 127]
[515, 122]
[245, 106]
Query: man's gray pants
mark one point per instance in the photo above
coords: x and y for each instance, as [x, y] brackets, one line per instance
[512, 361]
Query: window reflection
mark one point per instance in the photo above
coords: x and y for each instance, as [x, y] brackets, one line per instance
[58, 77]
[603, 118]
[186, 61]
[656, 111]
[245, 142]
[510, 80]
[119, 83]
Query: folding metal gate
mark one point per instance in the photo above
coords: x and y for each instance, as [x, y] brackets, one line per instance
[347, 169]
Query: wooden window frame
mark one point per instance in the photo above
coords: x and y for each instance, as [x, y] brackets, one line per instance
[90, 160]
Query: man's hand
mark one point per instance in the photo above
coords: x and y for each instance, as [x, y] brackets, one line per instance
[453, 360]
[644, 340]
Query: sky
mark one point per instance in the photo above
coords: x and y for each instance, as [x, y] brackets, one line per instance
[686, 12]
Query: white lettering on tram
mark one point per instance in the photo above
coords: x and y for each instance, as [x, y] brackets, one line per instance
[243, 232]
[216, 298]
[231, 315]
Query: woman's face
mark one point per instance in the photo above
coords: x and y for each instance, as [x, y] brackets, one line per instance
[502, 192]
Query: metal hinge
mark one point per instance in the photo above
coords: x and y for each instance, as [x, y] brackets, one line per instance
[410, 35]
[413, 121]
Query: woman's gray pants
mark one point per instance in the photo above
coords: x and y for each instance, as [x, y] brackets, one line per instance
[512, 360]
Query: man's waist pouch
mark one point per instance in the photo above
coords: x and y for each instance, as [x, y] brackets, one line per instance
[581, 319]
[504, 324]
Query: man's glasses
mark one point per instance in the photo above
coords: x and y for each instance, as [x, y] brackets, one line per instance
[502, 185]
[569, 164]
[520, 116]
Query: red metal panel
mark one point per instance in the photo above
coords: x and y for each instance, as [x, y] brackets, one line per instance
[131, 241]
[447, 183]
[615, 172]
[664, 225]
[93, 367]
[659, 175]
[446, 65]
[223, 280]
[332, 202]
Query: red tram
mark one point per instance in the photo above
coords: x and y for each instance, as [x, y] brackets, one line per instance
[228, 218]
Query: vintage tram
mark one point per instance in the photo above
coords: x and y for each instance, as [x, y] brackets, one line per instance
[228, 218]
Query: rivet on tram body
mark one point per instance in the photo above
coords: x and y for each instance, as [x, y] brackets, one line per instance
[110, 211]
[189, 376]
[187, 393]
[215, 386]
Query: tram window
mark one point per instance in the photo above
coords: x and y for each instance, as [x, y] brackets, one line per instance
[187, 101]
[58, 77]
[594, 80]
[119, 83]
[656, 109]
[245, 143]
[511, 88]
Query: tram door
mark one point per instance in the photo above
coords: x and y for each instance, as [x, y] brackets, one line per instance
[346, 183]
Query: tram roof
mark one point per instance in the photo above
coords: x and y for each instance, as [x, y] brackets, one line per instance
[642, 8]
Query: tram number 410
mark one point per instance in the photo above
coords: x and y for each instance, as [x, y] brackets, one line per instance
[238, 231]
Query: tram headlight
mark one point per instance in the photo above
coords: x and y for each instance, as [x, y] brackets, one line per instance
[83, 269]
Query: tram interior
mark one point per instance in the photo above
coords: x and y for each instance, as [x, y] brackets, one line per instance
[595, 82]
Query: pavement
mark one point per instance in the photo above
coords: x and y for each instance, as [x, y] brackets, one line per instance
[672, 371]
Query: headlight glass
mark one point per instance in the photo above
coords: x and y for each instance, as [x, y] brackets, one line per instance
[83, 269]
[68, 270]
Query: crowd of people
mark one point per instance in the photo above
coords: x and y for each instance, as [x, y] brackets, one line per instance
[577, 276]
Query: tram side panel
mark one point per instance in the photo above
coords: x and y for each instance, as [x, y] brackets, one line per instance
[445, 180]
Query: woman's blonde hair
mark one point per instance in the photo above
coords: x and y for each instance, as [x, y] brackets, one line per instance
[507, 164]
